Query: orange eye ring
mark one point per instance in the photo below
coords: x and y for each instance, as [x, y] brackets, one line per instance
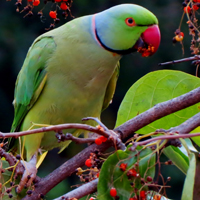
[130, 21]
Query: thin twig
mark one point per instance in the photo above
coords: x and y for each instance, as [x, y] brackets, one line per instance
[55, 128]
[69, 136]
[196, 57]
[167, 137]
[96, 120]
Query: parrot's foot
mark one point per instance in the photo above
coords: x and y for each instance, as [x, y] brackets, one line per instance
[111, 134]
[29, 174]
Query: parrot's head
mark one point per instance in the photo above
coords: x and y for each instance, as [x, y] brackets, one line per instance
[127, 28]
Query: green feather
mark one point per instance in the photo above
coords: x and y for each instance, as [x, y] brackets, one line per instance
[31, 79]
[110, 90]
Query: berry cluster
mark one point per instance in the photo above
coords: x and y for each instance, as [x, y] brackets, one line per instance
[142, 195]
[94, 164]
[94, 160]
[100, 140]
[190, 9]
[190, 6]
[134, 177]
[60, 6]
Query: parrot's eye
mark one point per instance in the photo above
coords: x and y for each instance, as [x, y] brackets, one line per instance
[130, 21]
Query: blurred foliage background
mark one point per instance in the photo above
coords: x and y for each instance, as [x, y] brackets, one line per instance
[17, 33]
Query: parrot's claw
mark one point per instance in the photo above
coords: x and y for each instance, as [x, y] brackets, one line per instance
[96, 120]
[116, 140]
[29, 173]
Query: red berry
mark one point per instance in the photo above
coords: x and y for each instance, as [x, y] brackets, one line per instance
[36, 2]
[98, 141]
[187, 9]
[182, 34]
[91, 198]
[88, 163]
[30, 0]
[142, 194]
[57, 0]
[195, 7]
[149, 178]
[63, 6]
[123, 166]
[65, 0]
[103, 139]
[53, 14]
[133, 198]
[132, 172]
[113, 192]
[97, 175]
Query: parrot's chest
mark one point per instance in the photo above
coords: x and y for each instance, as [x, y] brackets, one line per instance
[66, 101]
[78, 89]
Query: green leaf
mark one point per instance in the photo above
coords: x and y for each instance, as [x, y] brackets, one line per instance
[5, 177]
[196, 139]
[187, 146]
[156, 87]
[177, 157]
[190, 179]
[112, 176]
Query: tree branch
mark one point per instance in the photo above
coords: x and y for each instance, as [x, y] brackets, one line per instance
[188, 125]
[129, 127]
[181, 131]
[9, 158]
[65, 170]
[81, 191]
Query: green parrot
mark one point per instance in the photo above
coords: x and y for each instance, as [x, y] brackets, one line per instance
[71, 72]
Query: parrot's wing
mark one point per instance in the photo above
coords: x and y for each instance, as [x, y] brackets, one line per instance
[110, 90]
[32, 78]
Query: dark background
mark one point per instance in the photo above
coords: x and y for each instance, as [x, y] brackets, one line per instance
[17, 34]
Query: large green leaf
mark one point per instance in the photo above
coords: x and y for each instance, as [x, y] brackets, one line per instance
[112, 176]
[191, 189]
[156, 87]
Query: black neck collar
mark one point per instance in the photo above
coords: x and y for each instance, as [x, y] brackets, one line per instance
[121, 52]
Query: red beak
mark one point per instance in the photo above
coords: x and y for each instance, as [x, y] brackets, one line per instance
[149, 41]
